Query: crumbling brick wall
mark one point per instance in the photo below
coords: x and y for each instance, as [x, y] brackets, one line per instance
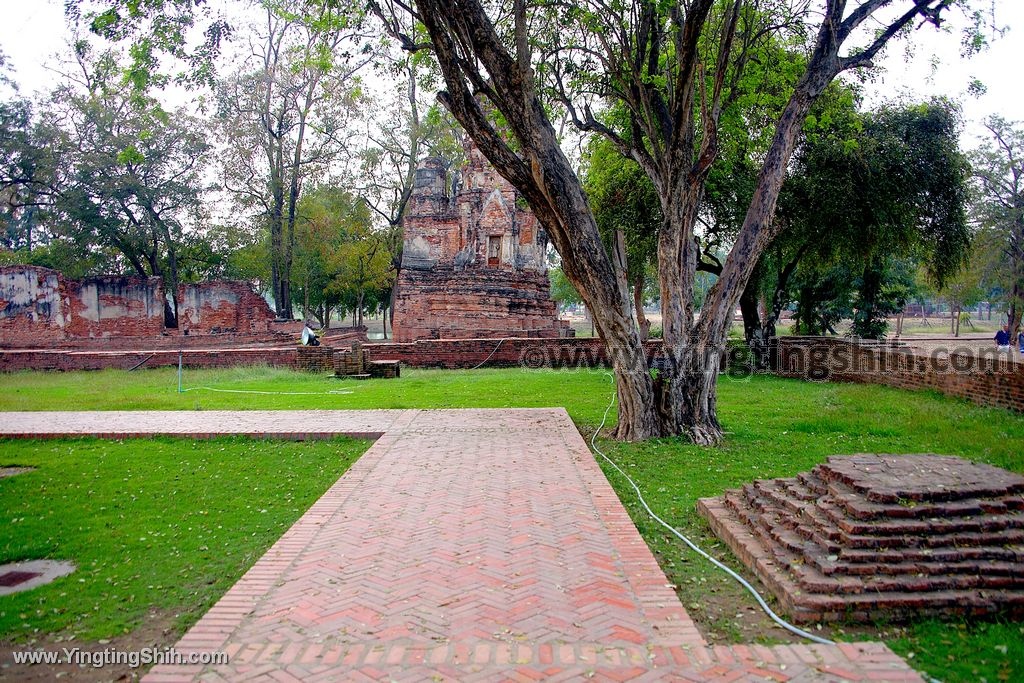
[222, 307]
[34, 305]
[111, 306]
[985, 377]
[39, 307]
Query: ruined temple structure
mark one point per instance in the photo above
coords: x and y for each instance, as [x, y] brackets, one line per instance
[473, 262]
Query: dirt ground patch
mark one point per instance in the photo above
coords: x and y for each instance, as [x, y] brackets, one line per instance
[13, 470]
[158, 631]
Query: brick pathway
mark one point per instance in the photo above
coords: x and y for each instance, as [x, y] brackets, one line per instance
[464, 545]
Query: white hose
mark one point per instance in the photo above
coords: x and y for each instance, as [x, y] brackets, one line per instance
[693, 546]
[500, 342]
[269, 393]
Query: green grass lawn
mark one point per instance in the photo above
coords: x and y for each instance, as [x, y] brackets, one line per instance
[158, 528]
[775, 427]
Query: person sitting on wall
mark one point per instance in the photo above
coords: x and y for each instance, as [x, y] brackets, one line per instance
[309, 337]
[1003, 338]
[1020, 341]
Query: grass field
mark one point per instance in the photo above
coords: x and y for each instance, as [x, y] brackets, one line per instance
[775, 427]
[157, 528]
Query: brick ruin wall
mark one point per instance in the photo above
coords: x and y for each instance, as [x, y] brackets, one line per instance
[39, 308]
[987, 378]
[222, 307]
[473, 305]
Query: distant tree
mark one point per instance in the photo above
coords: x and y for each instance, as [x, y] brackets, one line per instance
[964, 290]
[285, 117]
[999, 209]
[340, 256]
[99, 172]
[861, 209]
[562, 290]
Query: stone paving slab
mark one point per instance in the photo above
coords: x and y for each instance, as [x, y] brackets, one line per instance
[463, 545]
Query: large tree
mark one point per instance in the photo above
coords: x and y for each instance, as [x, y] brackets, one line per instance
[672, 66]
[883, 190]
[285, 117]
[111, 175]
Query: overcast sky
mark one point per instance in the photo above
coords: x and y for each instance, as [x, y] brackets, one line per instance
[33, 31]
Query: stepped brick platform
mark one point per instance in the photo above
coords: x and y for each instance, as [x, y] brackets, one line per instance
[867, 536]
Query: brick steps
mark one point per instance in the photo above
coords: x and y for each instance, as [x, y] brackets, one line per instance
[894, 536]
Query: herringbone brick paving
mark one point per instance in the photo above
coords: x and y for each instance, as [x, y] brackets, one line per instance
[464, 545]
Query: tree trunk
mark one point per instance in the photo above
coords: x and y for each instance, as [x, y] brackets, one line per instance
[689, 399]
[750, 313]
[278, 276]
[1016, 299]
[638, 304]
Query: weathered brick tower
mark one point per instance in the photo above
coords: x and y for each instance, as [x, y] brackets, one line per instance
[473, 261]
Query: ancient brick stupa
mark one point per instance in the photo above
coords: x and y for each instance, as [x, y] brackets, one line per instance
[473, 261]
[891, 536]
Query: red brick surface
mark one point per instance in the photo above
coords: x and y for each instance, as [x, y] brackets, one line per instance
[464, 545]
[868, 537]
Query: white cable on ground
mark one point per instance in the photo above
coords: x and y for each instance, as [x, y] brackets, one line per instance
[269, 393]
[500, 342]
[693, 546]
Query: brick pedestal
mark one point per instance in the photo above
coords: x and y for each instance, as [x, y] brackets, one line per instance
[868, 536]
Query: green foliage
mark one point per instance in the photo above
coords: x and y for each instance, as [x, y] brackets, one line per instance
[623, 197]
[100, 180]
[883, 289]
[870, 202]
[999, 211]
[339, 257]
[158, 28]
[562, 290]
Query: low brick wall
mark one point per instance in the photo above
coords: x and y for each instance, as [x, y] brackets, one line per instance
[314, 359]
[987, 378]
[469, 353]
[13, 361]
[319, 359]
